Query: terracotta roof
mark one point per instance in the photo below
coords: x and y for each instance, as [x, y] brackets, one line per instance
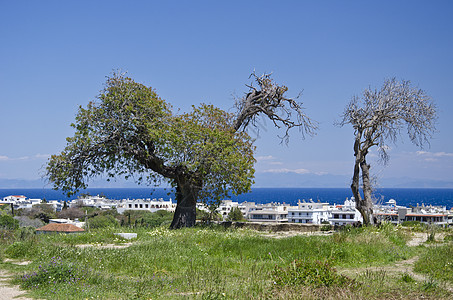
[426, 215]
[60, 228]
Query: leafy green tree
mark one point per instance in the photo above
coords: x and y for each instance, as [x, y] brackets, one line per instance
[235, 215]
[204, 155]
[8, 222]
[130, 131]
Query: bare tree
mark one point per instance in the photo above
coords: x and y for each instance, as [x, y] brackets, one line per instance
[379, 117]
[268, 99]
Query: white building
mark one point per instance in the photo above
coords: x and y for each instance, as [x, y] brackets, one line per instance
[309, 212]
[345, 214]
[13, 199]
[429, 214]
[269, 212]
[151, 205]
[225, 207]
[20, 201]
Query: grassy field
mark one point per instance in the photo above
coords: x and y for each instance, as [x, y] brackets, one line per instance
[218, 263]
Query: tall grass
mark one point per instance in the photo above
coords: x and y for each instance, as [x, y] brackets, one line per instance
[204, 263]
[437, 262]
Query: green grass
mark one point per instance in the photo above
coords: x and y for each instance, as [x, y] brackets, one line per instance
[213, 263]
[437, 262]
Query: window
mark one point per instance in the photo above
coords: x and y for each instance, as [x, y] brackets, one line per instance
[141, 205]
[130, 205]
[146, 205]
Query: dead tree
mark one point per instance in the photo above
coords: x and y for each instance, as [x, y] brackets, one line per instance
[267, 99]
[378, 117]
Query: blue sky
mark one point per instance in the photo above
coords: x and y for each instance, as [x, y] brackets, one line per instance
[54, 56]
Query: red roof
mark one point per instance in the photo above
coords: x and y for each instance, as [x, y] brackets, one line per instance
[60, 228]
[425, 215]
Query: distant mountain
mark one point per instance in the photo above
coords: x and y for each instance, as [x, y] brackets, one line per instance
[340, 181]
[41, 183]
[23, 183]
[301, 180]
[282, 180]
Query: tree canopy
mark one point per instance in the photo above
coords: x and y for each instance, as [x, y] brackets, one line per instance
[378, 118]
[130, 131]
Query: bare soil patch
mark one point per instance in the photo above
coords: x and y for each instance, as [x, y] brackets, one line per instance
[8, 291]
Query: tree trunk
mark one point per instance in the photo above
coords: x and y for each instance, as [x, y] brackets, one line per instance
[364, 205]
[367, 190]
[186, 199]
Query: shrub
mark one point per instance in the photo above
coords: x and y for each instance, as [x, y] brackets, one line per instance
[309, 273]
[26, 233]
[326, 227]
[21, 249]
[8, 222]
[102, 222]
[235, 215]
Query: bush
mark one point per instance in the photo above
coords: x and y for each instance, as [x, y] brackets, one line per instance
[309, 273]
[26, 233]
[102, 222]
[326, 227]
[21, 249]
[8, 222]
[235, 215]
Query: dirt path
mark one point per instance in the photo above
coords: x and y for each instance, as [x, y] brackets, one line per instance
[404, 266]
[8, 291]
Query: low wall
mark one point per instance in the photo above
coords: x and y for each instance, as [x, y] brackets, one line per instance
[273, 227]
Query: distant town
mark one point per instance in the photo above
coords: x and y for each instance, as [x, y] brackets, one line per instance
[305, 212]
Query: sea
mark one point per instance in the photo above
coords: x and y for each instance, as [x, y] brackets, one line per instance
[403, 196]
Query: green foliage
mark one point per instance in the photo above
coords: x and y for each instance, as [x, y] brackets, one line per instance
[235, 215]
[437, 262]
[148, 142]
[8, 222]
[139, 218]
[448, 238]
[21, 249]
[416, 226]
[26, 233]
[214, 262]
[53, 272]
[101, 221]
[207, 217]
[406, 277]
[313, 273]
[326, 227]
